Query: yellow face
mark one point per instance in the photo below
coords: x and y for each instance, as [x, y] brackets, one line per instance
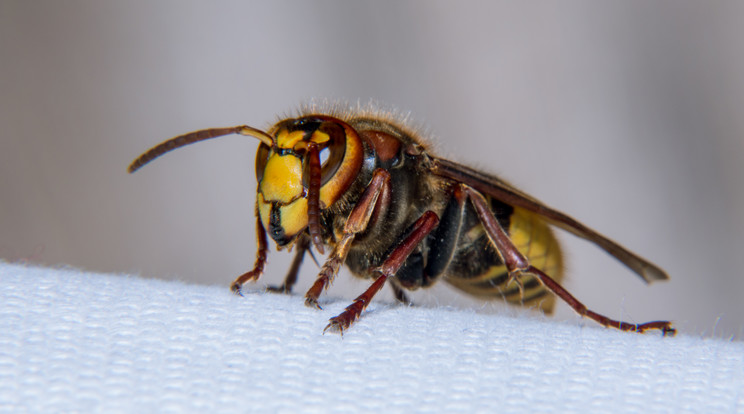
[282, 172]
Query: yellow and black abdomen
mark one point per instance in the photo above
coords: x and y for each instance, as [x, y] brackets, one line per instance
[478, 270]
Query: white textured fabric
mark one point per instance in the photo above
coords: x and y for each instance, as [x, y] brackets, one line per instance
[72, 341]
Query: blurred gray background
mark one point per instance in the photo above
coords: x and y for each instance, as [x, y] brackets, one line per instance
[626, 115]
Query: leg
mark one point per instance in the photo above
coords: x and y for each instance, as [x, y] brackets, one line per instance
[356, 223]
[258, 267]
[303, 243]
[517, 265]
[423, 226]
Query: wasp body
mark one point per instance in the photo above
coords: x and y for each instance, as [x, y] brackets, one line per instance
[362, 184]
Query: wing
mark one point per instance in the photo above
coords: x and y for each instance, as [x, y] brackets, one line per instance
[506, 193]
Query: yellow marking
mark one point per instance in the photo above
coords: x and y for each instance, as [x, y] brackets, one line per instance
[294, 217]
[264, 210]
[520, 231]
[282, 179]
[533, 238]
[286, 139]
[492, 273]
[327, 195]
[320, 137]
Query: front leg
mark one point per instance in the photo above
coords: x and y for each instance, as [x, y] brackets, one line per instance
[261, 253]
[357, 222]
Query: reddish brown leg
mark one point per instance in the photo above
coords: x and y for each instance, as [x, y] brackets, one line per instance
[421, 228]
[355, 223]
[517, 265]
[303, 243]
[258, 267]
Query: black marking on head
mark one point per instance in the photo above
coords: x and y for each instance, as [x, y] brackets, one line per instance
[276, 231]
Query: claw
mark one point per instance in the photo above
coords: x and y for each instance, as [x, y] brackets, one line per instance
[235, 287]
[664, 326]
[338, 323]
[333, 325]
[312, 303]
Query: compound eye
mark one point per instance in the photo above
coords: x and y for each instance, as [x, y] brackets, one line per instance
[331, 152]
[262, 157]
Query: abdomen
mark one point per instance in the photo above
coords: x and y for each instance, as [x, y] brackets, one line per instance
[478, 270]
